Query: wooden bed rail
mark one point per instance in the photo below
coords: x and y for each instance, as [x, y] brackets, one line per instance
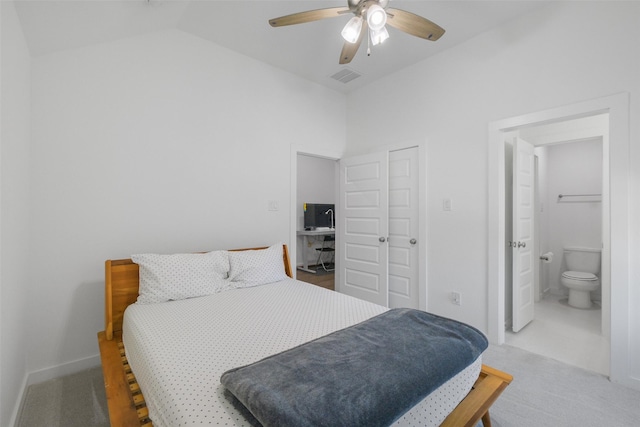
[119, 385]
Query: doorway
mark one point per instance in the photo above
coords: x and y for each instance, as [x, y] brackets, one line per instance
[568, 213]
[615, 259]
[308, 162]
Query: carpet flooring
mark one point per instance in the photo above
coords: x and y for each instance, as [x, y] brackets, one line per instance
[76, 400]
[544, 392]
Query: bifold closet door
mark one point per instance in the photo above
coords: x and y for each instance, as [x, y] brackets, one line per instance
[379, 227]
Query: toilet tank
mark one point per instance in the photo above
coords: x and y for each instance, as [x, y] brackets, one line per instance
[586, 260]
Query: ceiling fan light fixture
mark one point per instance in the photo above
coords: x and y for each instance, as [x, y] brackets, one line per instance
[351, 31]
[379, 36]
[370, 17]
[376, 17]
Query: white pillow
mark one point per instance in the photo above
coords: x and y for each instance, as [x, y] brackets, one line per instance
[256, 267]
[179, 276]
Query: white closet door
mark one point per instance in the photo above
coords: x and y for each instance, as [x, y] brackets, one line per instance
[403, 228]
[363, 229]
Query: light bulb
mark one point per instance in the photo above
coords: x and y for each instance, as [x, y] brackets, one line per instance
[379, 36]
[376, 17]
[351, 31]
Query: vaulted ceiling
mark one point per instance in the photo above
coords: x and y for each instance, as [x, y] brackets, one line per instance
[309, 50]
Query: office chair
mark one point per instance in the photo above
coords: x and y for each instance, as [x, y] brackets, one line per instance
[328, 247]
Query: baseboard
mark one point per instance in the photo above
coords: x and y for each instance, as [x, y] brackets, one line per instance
[47, 374]
[68, 368]
[17, 410]
[557, 292]
[630, 382]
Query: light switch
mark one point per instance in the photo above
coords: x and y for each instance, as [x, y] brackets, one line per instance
[446, 205]
[273, 205]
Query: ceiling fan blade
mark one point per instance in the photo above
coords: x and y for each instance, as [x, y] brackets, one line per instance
[349, 50]
[414, 24]
[308, 16]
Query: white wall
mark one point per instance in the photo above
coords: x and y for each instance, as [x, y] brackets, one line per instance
[547, 59]
[573, 168]
[161, 143]
[316, 184]
[14, 212]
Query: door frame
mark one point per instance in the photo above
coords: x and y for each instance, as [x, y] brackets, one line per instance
[615, 243]
[320, 152]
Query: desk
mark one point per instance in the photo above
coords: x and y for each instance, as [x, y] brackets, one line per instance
[305, 244]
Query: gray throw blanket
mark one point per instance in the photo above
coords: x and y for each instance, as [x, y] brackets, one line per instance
[366, 375]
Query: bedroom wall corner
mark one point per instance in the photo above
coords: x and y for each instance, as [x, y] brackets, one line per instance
[15, 93]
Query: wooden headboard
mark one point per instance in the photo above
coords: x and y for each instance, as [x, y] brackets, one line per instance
[121, 288]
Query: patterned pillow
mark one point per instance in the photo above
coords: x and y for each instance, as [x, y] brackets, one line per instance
[256, 267]
[179, 276]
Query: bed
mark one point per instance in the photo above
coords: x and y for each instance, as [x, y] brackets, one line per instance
[258, 332]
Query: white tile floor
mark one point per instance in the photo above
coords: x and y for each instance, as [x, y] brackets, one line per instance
[564, 333]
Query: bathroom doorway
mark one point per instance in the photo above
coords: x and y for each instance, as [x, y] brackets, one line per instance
[617, 313]
[567, 212]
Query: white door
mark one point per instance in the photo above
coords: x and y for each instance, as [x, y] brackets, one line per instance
[403, 228]
[523, 232]
[363, 217]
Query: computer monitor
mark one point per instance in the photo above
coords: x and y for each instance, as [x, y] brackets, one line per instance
[319, 215]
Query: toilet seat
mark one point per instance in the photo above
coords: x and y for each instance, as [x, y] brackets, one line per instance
[579, 275]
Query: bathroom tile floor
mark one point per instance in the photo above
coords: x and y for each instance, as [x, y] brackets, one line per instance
[564, 333]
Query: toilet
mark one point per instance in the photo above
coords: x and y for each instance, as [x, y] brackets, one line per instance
[583, 265]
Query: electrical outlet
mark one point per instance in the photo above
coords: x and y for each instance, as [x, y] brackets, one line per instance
[456, 298]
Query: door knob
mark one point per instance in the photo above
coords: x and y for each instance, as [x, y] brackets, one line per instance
[413, 241]
[522, 245]
[382, 239]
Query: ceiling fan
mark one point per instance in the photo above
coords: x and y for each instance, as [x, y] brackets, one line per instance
[371, 16]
